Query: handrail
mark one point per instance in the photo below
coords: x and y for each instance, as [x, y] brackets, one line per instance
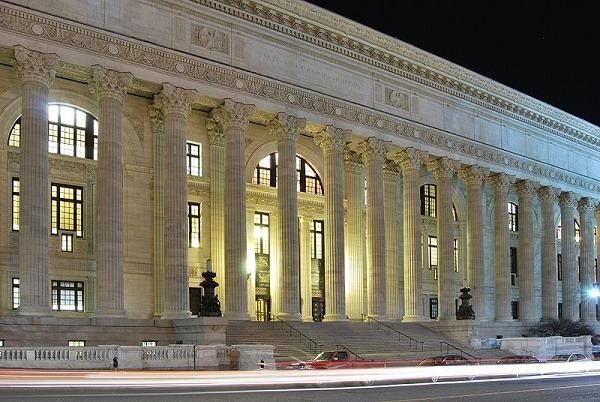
[312, 343]
[449, 345]
[418, 343]
[348, 350]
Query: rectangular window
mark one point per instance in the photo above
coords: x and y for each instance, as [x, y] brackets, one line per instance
[560, 311]
[16, 293]
[194, 214]
[67, 209]
[513, 217]
[428, 200]
[455, 255]
[148, 343]
[261, 233]
[513, 266]
[433, 308]
[316, 240]
[66, 242]
[76, 343]
[1, 343]
[432, 251]
[559, 266]
[514, 309]
[194, 168]
[16, 203]
[67, 296]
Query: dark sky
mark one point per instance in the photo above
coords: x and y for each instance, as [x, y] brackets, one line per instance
[546, 49]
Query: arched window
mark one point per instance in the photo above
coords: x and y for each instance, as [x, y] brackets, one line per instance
[428, 200]
[71, 131]
[307, 180]
[513, 217]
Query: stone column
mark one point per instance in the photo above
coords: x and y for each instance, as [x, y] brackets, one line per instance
[548, 199]
[286, 129]
[110, 88]
[36, 73]
[393, 245]
[525, 257]
[158, 134]
[474, 176]
[175, 104]
[332, 141]
[305, 269]
[443, 170]
[373, 153]
[597, 241]
[570, 280]
[501, 183]
[586, 262]
[411, 160]
[216, 141]
[355, 228]
[234, 118]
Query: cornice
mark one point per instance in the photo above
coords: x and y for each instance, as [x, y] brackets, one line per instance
[173, 63]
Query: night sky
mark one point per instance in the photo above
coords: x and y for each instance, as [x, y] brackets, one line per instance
[546, 49]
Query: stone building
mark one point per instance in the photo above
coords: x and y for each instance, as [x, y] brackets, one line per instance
[327, 170]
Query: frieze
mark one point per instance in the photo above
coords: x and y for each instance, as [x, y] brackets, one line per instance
[199, 189]
[397, 99]
[210, 39]
[174, 63]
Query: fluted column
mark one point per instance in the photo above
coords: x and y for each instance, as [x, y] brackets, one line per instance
[570, 303]
[110, 88]
[216, 141]
[548, 198]
[234, 118]
[158, 134]
[373, 153]
[36, 73]
[286, 129]
[332, 141]
[393, 245]
[175, 104]
[354, 185]
[474, 176]
[501, 183]
[305, 269]
[586, 255]
[411, 160]
[525, 257]
[443, 170]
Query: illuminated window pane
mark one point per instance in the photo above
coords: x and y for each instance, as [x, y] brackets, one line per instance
[513, 217]
[67, 296]
[193, 159]
[80, 118]
[16, 203]
[433, 251]
[149, 343]
[307, 181]
[53, 138]
[14, 139]
[67, 115]
[428, 200]
[261, 233]
[317, 238]
[67, 209]
[16, 293]
[455, 255]
[76, 343]
[194, 225]
[66, 243]
[53, 113]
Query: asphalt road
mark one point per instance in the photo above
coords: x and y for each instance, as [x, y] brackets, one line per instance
[572, 387]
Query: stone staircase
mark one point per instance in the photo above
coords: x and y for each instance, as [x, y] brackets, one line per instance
[368, 340]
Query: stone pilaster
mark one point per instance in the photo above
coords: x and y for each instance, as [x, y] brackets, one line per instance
[216, 141]
[411, 161]
[234, 118]
[393, 243]
[355, 233]
[175, 103]
[332, 141]
[443, 169]
[548, 198]
[373, 152]
[501, 184]
[525, 257]
[286, 129]
[110, 88]
[474, 176]
[305, 269]
[570, 280]
[586, 256]
[158, 135]
[36, 73]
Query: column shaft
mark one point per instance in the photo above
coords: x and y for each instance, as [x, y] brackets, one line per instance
[305, 269]
[570, 280]
[393, 244]
[549, 269]
[525, 256]
[586, 259]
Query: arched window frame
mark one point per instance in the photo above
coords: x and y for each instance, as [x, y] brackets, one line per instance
[307, 179]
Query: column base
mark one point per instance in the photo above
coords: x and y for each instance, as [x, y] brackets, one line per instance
[289, 316]
[446, 319]
[334, 317]
[237, 316]
[414, 318]
[176, 315]
[307, 318]
[35, 311]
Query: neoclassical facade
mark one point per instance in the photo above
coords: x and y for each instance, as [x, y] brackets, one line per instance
[326, 170]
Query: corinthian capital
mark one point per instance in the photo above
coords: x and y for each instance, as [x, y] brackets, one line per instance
[285, 127]
[526, 188]
[110, 84]
[409, 159]
[501, 181]
[567, 200]
[174, 99]
[443, 167]
[233, 114]
[548, 193]
[372, 150]
[35, 66]
[332, 140]
[215, 132]
[586, 206]
[474, 175]
[157, 121]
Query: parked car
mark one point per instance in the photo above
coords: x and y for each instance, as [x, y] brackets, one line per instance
[444, 360]
[520, 359]
[336, 359]
[573, 357]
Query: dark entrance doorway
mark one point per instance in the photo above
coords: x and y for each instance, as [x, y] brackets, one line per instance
[263, 309]
[318, 308]
[195, 295]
